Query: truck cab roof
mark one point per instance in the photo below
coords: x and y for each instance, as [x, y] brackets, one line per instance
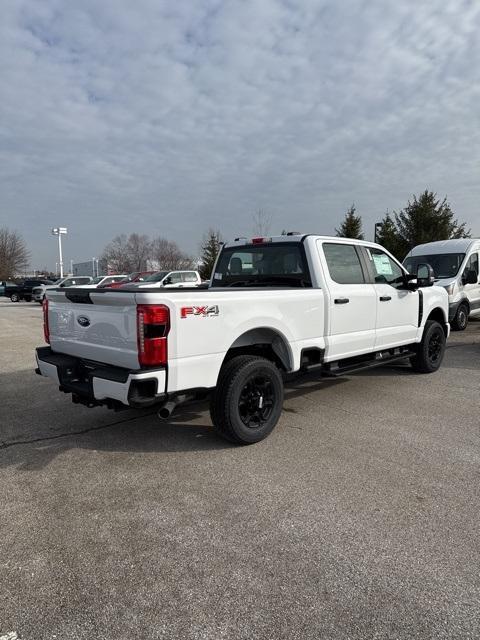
[298, 237]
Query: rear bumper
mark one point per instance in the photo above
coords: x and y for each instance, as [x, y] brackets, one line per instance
[95, 384]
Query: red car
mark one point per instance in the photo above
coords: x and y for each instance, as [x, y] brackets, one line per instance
[136, 276]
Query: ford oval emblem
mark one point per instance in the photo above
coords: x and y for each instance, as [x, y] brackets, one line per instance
[83, 321]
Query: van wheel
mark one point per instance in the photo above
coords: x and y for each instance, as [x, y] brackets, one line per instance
[15, 297]
[248, 400]
[459, 323]
[431, 349]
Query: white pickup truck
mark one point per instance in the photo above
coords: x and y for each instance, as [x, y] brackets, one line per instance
[275, 306]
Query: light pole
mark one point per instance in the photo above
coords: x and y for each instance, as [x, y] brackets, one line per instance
[60, 231]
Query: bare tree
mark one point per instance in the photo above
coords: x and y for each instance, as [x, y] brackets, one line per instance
[116, 255]
[169, 256]
[125, 255]
[139, 249]
[14, 255]
[262, 222]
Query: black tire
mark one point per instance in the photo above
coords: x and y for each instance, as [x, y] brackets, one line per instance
[431, 349]
[28, 298]
[14, 297]
[460, 321]
[248, 400]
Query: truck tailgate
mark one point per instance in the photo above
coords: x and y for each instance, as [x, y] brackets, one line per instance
[95, 326]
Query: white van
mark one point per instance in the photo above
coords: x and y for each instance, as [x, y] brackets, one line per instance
[456, 267]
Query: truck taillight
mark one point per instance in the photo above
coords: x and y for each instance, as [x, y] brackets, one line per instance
[153, 325]
[46, 328]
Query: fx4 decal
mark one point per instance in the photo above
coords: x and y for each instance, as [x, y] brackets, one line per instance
[204, 312]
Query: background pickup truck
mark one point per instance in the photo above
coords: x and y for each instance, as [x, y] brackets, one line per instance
[7, 287]
[38, 292]
[275, 306]
[25, 289]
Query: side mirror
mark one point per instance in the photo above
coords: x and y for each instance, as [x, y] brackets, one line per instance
[470, 277]
[167, 280]
[425, 275]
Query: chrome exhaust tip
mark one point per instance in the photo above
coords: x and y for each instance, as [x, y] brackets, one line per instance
[168, 408]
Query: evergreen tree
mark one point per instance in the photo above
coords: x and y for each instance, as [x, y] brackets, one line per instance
[388, 237]
[351, 227]
[210, 248]
[427, 219]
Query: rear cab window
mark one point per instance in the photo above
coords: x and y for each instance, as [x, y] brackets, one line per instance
[270, 264]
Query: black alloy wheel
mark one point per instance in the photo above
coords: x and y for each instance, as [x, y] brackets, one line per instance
[256, 401]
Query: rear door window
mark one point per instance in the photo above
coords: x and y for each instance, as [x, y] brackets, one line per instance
[343, 263]
[175, 278]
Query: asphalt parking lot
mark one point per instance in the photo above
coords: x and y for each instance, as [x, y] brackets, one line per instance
[357, 518]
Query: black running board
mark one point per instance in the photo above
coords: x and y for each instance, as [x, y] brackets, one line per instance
[335, 369]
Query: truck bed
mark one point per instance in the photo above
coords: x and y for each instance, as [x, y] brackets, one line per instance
[101, 325]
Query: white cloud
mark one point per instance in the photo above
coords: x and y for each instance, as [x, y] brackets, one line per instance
[169, 117]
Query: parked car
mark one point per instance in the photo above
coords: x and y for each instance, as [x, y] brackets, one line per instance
[456, 267]
[136, 276]
[7, 287]
[101, 281]
[172, 279]
[275, 306]
[70, 281]
[25, 290]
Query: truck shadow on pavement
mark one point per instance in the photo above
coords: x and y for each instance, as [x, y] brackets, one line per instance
[34, 432]
[37, 423]
[38, 426]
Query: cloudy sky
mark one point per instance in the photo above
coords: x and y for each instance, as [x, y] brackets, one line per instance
[167, 117]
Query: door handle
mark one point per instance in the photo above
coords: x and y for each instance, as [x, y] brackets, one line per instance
[341, 300]
[385, 298]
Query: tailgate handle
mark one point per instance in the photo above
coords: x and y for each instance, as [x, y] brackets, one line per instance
[385, 298]
[341, 300]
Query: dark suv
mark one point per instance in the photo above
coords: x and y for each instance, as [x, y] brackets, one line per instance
[24, 291]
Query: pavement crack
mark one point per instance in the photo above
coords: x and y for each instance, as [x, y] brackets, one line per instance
[57, 436]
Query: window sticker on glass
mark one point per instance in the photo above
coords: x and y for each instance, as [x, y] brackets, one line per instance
[382, 264]
[218, 276]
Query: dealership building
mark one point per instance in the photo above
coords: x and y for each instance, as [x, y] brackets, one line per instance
[91, 267]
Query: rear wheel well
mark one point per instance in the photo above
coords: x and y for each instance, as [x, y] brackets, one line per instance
[438, 315]
[263, 342]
